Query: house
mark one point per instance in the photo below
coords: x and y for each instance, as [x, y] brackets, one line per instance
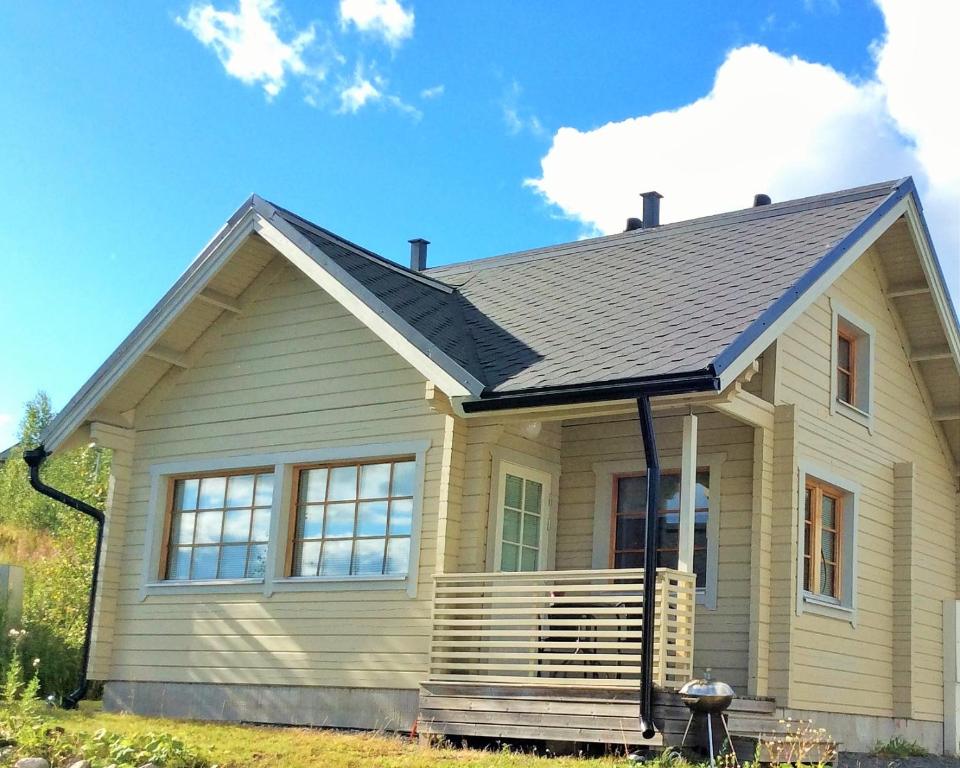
[350, 493]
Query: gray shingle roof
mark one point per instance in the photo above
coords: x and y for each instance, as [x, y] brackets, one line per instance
[644, 303]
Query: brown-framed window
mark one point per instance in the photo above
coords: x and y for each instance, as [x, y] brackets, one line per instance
[353, 519]
[823, 539]
[218, 526]
[847, 368]
[629, 520]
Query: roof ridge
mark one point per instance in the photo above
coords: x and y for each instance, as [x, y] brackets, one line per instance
[298, 220]
[699, 223]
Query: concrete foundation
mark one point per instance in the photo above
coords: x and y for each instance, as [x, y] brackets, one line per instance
[860, 733]
[371, 709]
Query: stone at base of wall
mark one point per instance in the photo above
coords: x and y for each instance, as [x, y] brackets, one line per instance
[860, 733]
[391, 709]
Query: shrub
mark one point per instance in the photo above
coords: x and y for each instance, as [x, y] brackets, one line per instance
[131, 751]
[899, 747]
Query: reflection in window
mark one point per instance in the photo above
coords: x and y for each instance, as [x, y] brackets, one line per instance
[354, 519]
[522, 518]
[219, 527]
[630, 506]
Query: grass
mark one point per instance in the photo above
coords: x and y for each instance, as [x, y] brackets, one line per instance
[899, 747]
[246, 746]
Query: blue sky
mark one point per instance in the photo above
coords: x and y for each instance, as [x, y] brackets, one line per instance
[131, 131]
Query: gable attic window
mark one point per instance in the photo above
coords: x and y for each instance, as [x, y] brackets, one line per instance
[219, 526]
[852, 367]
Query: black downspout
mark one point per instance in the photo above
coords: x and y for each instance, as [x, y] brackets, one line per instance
[647, 728]
[34, 458]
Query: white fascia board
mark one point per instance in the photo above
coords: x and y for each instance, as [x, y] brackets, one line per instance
[220, 248]
[357, 299]
[805, 299]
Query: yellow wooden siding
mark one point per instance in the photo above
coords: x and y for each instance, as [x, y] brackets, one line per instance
[294, 372]
[836, 666]
[721, 635]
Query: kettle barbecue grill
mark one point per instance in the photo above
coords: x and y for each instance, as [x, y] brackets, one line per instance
[708, 697]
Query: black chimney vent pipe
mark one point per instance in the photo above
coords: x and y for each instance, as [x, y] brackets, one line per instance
[633, 223]
[34, 458]
[761, 199]
[418, 254]
[651, 209]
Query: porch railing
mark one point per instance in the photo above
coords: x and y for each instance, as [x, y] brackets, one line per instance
[578, 628]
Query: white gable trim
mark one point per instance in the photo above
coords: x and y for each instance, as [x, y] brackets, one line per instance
[804, 300]
[256, 216]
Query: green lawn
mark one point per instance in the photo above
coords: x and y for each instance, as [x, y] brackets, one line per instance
[243, 746]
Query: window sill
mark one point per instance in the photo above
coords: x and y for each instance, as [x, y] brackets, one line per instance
[825, 606]
[209, 586]
[332, 583]
[853, 413]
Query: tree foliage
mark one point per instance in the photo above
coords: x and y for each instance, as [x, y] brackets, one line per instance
[54, 544]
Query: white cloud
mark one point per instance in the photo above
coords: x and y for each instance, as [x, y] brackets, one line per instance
[784, 126]
[433, 93]
[386, 18]
[249, 44]
[515, 117]
[362, 90]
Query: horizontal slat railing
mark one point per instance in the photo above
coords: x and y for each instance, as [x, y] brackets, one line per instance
[578, 628]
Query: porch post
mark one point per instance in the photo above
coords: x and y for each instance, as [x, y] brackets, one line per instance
[688, 493]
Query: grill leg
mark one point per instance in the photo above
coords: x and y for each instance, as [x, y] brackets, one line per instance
[713, 762]
[726, 730]
[687, 729]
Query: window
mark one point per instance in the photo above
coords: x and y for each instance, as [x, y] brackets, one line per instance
[629, 520]
[823, 540]
[219, 526]
[522, 523]
[852, 366]
[827, 538]
[353, 519]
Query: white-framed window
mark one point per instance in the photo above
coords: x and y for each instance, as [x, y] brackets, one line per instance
[851, 362]
[620, 515]
[338, 518]
[522, 508]
[826, 551]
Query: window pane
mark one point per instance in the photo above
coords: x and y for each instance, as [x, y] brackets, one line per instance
[629, 560]
[843, 352]
[398, 556]
[205, 562]
[528, 559]
[311, 522]
[827, 575]
[372, 518]
[403, 475]
[343, 484]
[183, 528]
[240, 491]
[264, 495]
[700, 567]
[511, 526]
[807, 504]
[827, 546]
[401, 516]
[313, 485]
[828, 513]
[307, 560]
[179, 567]
[630, 533]
[670, 492]
[368, 556]
[843, 388]
[335, 558]
[187, 494]
[374, 481]
[631, 495]
[236, 525]
[340, 520]
[513, 492]
[509, 557]
[261, 525]
[212, 491]
[257, 561]
[233, 561]
[702, 500]
[208, 527]
[532, 495]
[531, 530]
